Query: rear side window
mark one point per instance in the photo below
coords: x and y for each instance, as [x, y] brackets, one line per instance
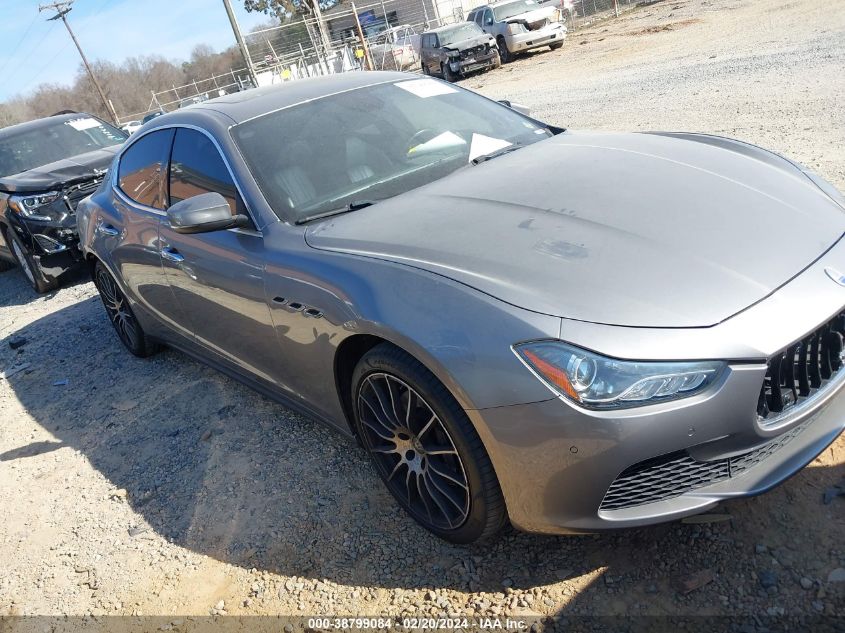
[142, 167]
[196, 167]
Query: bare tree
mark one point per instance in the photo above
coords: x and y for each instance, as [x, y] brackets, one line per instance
[128, 85]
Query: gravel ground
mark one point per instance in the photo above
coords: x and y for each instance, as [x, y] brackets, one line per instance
[161, 487]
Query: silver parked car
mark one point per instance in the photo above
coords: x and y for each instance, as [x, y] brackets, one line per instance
[657, 332]
[520, 25]
[397, 48]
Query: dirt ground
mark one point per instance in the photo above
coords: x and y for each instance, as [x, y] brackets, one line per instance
[161, 487]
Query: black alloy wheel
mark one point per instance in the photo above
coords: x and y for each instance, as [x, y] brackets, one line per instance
[120, 314]
[425, 448]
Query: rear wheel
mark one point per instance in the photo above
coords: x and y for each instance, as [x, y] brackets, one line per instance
[121, 316]
[29, 265]
[425, 70]
[425, 448]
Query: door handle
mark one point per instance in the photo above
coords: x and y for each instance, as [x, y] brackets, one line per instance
[171, 254]
[107, 229]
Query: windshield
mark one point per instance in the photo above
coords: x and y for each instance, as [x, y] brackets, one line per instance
[55, 141]
[373, 143]
[511, 9]
[460, 33]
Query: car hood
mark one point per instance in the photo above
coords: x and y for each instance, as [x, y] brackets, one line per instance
[63, 172]
[532, 18]
[625, 229]
[468, 43]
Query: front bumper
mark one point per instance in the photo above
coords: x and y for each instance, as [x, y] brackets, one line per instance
[54, 244]
[478, 62]
[556, 463]
[549, 34]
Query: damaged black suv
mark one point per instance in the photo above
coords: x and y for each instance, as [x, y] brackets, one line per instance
[455, 50]
[46, 167]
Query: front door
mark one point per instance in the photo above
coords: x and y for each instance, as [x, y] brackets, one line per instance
[218, 277]
[131, 235]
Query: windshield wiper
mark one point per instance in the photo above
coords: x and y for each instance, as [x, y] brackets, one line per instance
[485, 157]
[351, 206]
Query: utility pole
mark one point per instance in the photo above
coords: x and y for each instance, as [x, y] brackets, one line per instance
[367, 58]
[62, 9]
[241, 43]
[321, 25]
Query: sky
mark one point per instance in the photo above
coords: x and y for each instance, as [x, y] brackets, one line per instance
[34, 51]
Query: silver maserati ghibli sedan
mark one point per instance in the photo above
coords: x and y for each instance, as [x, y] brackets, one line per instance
[520, 323]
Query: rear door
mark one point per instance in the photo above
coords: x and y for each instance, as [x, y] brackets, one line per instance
[218, 277]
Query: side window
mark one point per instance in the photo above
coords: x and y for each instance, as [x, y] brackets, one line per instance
[196, 167]
[140, 174]
[488, 17]
[434, 43]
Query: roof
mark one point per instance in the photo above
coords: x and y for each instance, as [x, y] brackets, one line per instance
[241, 106]
[451, 27]
[35, 124]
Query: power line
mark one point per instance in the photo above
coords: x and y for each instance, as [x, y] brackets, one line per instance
[32, 50]
[82, 29]
[17, 46]
[62, 9]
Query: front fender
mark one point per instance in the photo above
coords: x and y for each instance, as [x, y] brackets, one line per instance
[461, 335]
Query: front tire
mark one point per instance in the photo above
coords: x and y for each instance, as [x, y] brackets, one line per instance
[497, 60]
[504, 54]
[556, 46]
[448, 75]
[30, 267]
[128, 329]
[424, 447]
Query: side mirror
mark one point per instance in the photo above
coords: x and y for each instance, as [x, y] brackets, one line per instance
[522, 109]
[204, 213]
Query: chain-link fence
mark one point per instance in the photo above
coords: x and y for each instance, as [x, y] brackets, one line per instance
[391, 29]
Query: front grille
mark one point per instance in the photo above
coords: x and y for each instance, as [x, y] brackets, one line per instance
[800, 372]
[675, 474]
[75, 193]
[475, 51]
[794, 376]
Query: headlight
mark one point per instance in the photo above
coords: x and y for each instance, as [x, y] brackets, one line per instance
[515, 28]
[598, 382]
[29, 206]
